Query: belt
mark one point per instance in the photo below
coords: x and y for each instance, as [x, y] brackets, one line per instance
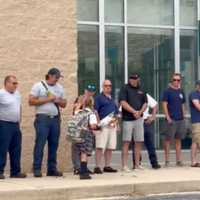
[48, 116]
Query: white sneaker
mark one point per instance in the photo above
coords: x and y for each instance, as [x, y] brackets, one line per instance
[126, 169]
[139, 168]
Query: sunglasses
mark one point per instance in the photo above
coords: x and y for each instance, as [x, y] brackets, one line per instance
[178, 80]
[107, 85]
[134, 77]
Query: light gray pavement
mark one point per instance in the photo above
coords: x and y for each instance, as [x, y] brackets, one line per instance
[148, 181]
[116, 161]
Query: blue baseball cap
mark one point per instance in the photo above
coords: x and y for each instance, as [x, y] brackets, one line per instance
[91, 88]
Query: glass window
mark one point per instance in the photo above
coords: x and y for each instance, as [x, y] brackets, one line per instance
[88, 56]
[114, 61]
[188, 59]
[151, 54]
[114, 11]
[188, 12]
[88, 10]
[151, 12]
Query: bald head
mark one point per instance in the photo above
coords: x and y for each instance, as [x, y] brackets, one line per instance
[10, 83]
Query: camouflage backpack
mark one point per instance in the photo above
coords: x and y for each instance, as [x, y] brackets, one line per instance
[77, 124]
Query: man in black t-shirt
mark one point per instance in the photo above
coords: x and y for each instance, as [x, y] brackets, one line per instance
[134, 102]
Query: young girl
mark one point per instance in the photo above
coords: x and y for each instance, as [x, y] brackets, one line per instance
[85, 148]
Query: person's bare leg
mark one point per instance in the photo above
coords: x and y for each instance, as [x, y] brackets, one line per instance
[98, 157]
[83, 157]
[125, 154]
[178, 150]
[108, 157]
[137, 148]
[194, 153]
[167, 149]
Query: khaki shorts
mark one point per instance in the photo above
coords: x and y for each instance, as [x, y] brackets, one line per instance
[196, 133]
[106, 138]
[133, 129]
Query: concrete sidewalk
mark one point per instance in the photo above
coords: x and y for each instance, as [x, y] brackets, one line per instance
[148, 181]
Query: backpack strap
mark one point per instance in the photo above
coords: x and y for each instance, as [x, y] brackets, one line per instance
[57, 106]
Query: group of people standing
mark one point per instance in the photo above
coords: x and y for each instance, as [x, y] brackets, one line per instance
[138, 113]
[136, 108]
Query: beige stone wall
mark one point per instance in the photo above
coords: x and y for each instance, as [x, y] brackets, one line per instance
[34, 36]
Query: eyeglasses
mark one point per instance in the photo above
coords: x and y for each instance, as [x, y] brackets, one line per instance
[178, 80]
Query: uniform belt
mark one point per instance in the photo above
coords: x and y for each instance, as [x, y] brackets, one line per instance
[48, 116]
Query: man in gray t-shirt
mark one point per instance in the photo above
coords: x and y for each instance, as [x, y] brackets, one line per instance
[47, 97]
[10, 133]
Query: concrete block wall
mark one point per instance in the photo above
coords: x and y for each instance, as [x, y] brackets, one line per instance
[34, 36]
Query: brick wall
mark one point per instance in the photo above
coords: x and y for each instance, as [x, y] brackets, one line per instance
[34, 36]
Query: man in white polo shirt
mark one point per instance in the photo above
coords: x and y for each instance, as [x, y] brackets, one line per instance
[10, 134]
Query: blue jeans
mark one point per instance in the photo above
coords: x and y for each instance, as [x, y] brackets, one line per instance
[10, 141]
[47, 129]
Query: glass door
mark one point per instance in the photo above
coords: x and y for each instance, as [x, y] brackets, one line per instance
[151, 54]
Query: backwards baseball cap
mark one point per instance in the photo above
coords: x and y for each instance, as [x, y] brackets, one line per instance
[91, 88]
[55, 71]
[134, 76]
[198, 82]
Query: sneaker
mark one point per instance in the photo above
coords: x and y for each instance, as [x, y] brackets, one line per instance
[179, 164]
[139, 168]
[167, 163]
[54, 173]
[37, 173]
[156, 166]
[97, 170]
[2, 176]
[109, 170]
[76, 171]
[18, 175]
[126, 169]
[85, 176]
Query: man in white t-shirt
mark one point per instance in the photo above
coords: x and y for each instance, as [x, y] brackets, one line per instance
[47, 97]
[10, 133]
[149, 117]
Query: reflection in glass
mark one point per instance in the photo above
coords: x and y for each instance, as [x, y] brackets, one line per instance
[188, 59]
[114, 11]
[88, 10]
[151, 54]
[188, 12]
[88, 56]
[152, 12]
[114, 61]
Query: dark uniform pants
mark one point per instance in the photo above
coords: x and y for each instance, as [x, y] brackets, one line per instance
[47, 129]
[10, 141]
[149, 144]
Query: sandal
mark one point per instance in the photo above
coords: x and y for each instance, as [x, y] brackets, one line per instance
[196, 165]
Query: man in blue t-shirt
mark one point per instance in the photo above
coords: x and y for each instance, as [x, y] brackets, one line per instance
[194, 102]
[173, 102]
[106, 139]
